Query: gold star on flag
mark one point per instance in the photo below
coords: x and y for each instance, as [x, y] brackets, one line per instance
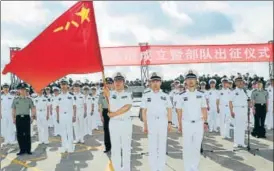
[84, 14]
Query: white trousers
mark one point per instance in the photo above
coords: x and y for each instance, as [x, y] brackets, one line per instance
[89, 127]
[269, 116]
[79, 125]
[8, 128]
[120, 136]
[212, 119]
[175, 118]
[57, 130]
[225, 121]
[32, 127]
[240, 127]
[50, 121]
[157, 142]
[42, 127]
[192, 140]
[66, 132]
[96, 120]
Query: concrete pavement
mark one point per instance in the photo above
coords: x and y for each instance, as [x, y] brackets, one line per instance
[90, 156]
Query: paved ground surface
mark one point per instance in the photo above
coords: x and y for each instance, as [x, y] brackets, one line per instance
[90, 156]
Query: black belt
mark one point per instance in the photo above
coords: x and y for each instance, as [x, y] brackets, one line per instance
[262, 104]
[21, 115]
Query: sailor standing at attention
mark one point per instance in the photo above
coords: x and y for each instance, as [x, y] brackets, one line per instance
[81, 113]
[156, 110]
[211, 96]
[7, 125]
[66, 116]
[238, 108]
[42, 104]
[223, 108]
[192, 109]
[120, 124]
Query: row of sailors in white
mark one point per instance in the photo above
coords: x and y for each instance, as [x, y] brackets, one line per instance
[46, 107]
[8, 129]
[78, 112]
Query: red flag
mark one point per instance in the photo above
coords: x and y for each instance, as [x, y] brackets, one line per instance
[69, 45]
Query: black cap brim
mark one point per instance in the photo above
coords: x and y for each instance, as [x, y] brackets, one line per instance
[119, 78]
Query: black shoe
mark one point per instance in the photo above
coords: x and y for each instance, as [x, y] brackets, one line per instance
[106, 151]
[20, 153]
[29, 153]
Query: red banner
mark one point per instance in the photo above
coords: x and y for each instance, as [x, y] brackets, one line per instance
[185, 54]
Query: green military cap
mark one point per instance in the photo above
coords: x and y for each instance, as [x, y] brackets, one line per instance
[22, 86]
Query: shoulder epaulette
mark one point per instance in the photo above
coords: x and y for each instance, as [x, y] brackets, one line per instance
[201, 91]
[70, 93]
[182, 92]
[147, 91]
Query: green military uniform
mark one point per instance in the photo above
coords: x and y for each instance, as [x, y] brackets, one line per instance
[260, 98]
[22, 106]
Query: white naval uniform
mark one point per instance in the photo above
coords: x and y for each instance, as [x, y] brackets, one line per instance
[54, 101]
[42, 103]
[173, 96]
[79, 126]
[240, 105]
[212, 95]
[88, 119]
[251, 115]
[224, 97]
[120, 128]
[96, 119]
[7, 126]
[66, 102]
[191, 104]
[157, 121]
[51, 118]
[269, 115]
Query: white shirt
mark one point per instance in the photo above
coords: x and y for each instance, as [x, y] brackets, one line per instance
[212, 96]
[239, 98]
[192, 103]
[270, 94]
[224, 97]
[54, 102]
[66, 102]
[172, 95]
[79, 100]
[156, 104]
[119, 99]
[6, 102]
[41, 103]
[94, 100]
[88, 100]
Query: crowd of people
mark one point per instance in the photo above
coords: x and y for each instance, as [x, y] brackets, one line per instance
[193, 105]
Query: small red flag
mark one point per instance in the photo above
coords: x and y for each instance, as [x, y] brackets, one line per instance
[69, 45]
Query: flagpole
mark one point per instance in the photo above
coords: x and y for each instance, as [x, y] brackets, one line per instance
[100, 54]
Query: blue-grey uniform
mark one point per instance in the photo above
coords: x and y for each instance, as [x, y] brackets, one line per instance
[192, 103]
[157, 106]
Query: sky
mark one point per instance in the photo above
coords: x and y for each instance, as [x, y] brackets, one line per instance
[162, 23]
